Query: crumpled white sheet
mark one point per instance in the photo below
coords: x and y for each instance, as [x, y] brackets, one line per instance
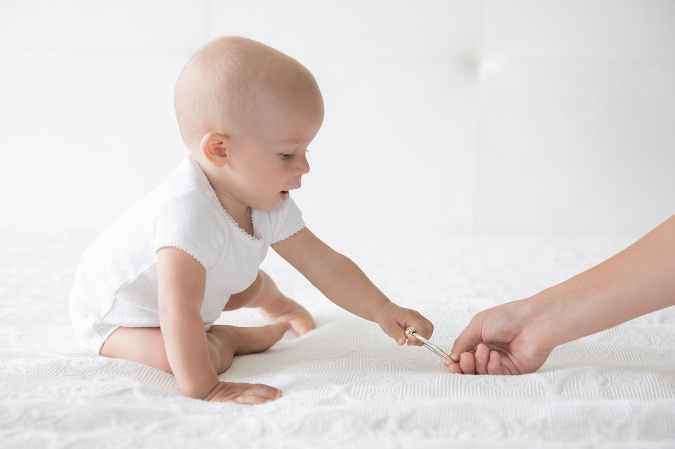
[345, 384]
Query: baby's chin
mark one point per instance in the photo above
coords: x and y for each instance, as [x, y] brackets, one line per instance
[270, 206]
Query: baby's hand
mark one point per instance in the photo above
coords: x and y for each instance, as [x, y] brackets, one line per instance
[243, 393]
[394, 320]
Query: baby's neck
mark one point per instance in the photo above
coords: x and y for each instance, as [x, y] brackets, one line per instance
[240, 213]
[244, 220]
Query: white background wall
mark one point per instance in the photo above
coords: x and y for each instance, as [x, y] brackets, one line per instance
[499, 116]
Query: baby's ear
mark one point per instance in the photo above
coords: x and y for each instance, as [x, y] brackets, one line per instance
[214, 148]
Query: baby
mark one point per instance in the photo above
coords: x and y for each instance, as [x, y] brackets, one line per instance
[150, 287]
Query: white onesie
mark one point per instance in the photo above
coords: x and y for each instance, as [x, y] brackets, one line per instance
[116, 279]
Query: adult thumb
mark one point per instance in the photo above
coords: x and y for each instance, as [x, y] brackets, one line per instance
[468, 339]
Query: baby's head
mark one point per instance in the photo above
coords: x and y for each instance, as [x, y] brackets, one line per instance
[237, 86]
[247, 113]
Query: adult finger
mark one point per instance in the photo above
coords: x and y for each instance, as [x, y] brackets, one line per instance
[468, 339]
[494, 366]
[481, 359]
[466, 362]
[453, 367]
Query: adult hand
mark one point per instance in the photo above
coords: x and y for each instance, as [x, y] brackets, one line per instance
[507, 339]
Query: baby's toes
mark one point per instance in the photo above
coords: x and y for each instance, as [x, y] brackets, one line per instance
[257, 339]
[302, 325]
[277, 330]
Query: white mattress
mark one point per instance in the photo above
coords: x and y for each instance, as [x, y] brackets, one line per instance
[345, 384]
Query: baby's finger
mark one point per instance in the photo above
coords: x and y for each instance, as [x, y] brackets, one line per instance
[395, 331]
[481, 359]
[426, 328]
[250, 400]
[262, 391]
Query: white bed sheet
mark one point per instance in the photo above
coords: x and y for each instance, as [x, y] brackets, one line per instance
[345, 384]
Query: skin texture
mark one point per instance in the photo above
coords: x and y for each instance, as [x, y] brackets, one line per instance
[517, 337]
[247, 114]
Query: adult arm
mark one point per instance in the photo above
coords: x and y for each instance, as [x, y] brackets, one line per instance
[517, 337]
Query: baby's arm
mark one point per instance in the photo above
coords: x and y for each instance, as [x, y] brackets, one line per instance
[181, 281]
[343, 282]
[196, 360]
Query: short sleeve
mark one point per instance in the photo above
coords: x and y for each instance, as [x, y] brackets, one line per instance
[286, 220]
[192, 224]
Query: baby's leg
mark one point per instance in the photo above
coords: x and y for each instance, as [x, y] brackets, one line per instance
[138, 344]
[264, 295]
[146, 344]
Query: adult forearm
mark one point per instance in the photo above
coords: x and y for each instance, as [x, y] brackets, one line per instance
[637, 281]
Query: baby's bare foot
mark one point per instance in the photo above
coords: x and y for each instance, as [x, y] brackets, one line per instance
[285, 309]
[247, 340]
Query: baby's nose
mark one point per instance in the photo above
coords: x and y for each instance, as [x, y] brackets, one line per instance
[303, 165]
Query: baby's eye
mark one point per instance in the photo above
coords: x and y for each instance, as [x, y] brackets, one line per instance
[286, 156]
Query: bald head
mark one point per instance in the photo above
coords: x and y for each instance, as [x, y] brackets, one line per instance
[227, 83]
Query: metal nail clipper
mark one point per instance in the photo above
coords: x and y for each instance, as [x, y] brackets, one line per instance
[411, 334]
